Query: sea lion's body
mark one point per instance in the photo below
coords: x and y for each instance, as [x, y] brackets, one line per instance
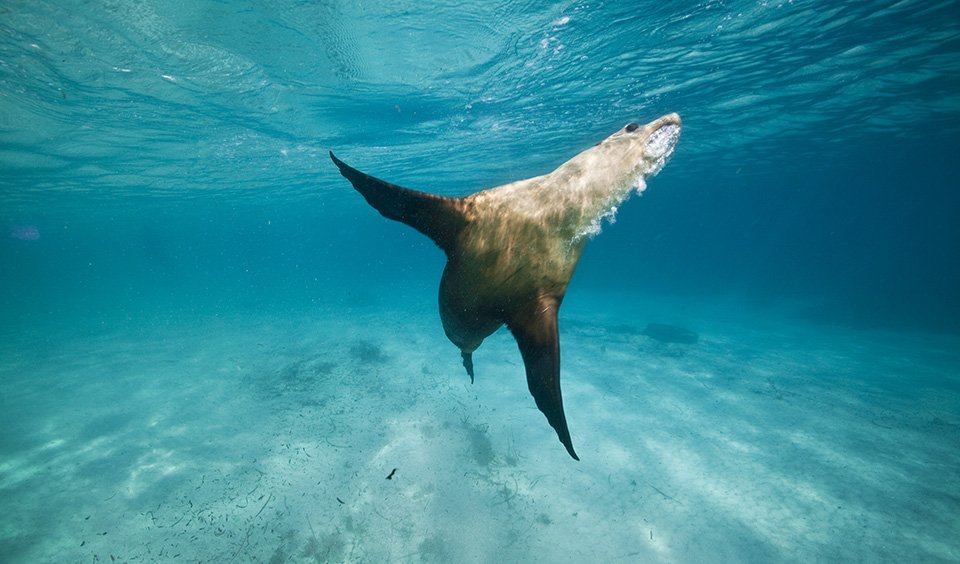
[502, 263]
[512, 250]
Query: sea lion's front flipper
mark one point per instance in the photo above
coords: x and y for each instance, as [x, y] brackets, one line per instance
[437, 217]
[535, 329]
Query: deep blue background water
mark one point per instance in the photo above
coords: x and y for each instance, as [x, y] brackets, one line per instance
[172, 155]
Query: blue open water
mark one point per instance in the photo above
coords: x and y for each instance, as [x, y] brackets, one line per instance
[165, 162]
[180, 148]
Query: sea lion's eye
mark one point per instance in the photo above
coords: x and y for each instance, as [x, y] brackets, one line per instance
[631, 127]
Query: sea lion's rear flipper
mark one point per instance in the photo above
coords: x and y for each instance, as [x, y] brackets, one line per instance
[468, 364]
[437, 217]
[535, 329]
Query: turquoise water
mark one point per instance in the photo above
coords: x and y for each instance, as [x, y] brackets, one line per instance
[190, 293]
[181, 147]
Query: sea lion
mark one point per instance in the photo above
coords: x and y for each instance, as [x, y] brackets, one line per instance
[511, 250]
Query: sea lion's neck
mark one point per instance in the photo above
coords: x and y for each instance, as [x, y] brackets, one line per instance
[588, 189]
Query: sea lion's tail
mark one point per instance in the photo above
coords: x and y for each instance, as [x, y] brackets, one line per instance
[437, 217]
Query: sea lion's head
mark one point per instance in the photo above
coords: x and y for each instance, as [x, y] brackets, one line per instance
[589, 187]
[641, 150]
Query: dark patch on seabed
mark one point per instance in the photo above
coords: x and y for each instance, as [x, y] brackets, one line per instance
[666, 333]
[368, 353]
[302, 382]
[478, 444]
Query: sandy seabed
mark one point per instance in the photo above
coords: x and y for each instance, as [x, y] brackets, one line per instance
[270, 438]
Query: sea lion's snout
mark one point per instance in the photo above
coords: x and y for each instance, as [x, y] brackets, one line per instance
[662, 141]
[659, 145]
